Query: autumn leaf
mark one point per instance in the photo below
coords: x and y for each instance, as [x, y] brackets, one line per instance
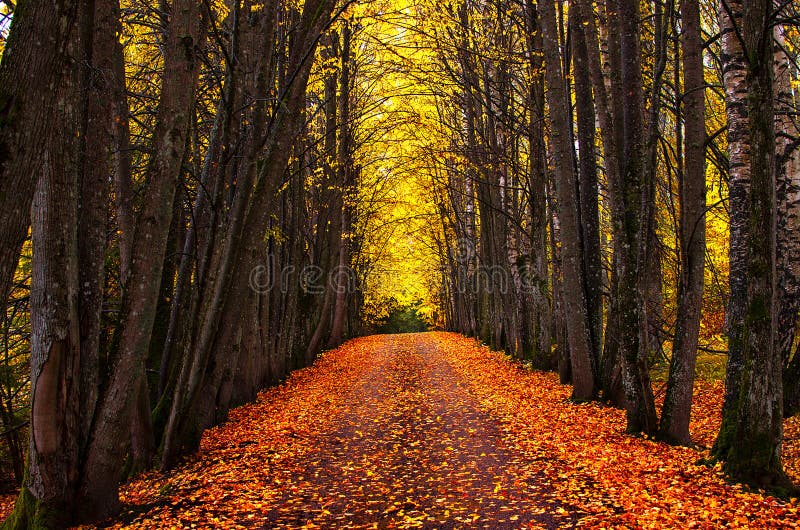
[428, 430]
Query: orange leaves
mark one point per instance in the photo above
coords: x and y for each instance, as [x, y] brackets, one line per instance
[246, 464]
[429, 430]
[616, 479]
[6, 505]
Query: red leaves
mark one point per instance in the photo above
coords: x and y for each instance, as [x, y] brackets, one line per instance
[617, 479]
[7, 505]
[426, 430]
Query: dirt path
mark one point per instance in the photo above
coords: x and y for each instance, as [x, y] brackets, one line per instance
[434, 431]
[412, 449]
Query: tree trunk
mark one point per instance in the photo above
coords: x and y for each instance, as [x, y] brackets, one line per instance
[577, 319]
[123, 172]
[342, 274]
[676, 413]
[734, 68]
[48, 493]
[100, 26]
[791, 385]
[588, 192]
[68, 235]
[749, 442]
[35, 59]
[633, 280]
[199, 261]
[561, 350]
[329, 240]
[252, 210]
[101, 474]
[537, 280]
[607, 98]
[787, 177]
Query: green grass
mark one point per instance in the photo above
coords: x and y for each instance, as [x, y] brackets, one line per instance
[709, 367]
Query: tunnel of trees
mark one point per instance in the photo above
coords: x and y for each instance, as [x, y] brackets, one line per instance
[197, 198]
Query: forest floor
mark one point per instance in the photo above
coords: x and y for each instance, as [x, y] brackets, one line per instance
[432, 431]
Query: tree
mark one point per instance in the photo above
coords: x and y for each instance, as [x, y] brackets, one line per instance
[634, 228]
[345, 170]
[537, 192]
[578, 329]
[588, 192]
[229, 297]
[787, 180]
[750, 437]
[35, 59]
[609, 117]
[106, 455]
[49, 489]
[677, 408]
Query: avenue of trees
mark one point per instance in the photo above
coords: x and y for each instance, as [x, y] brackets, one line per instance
[192, 195]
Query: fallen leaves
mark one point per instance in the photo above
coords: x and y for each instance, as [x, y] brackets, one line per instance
[617, 479]
[6, 505]
[429, 431]
[380, 433]
[232, 482]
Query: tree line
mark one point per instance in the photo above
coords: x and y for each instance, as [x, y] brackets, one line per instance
[586, 145]
[181, 227]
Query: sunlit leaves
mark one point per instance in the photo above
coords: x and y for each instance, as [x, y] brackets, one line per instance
[395, 209]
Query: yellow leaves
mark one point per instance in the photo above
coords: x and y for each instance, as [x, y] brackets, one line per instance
[431, 431]
[617, 481]
[402, 263]
[6, 505]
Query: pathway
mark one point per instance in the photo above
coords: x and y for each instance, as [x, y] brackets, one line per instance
[412, 448]
[432, 431]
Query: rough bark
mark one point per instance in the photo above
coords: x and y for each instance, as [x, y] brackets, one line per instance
[734, 68]
[123, 179]
[539, 283]
[48, 492]
[106, 454]
[34, 61]
[676, 413]
[68, 236]
[577, 320]
[100, 24]
[588, 192]
[607, 96]
[637, 216]
[252, 210]
[561, 350]
[787, 177]
[791, 385]
[749, 442]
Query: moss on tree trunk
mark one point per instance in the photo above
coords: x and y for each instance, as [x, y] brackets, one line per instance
[31, 513]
